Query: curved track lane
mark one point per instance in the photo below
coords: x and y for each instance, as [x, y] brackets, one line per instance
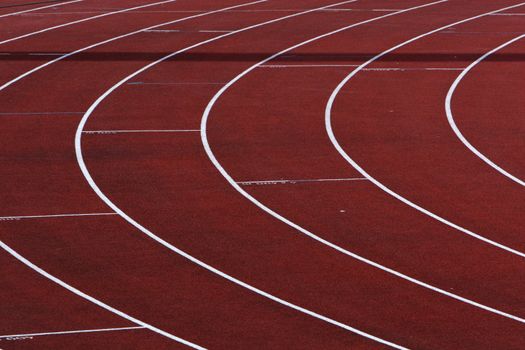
[501, 232]
[454, 126]
[124, 138]
[222, 234]
[276, 331]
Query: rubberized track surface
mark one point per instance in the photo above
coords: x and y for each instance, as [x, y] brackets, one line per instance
[304, 174]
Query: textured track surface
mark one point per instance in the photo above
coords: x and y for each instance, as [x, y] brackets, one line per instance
[304, 174]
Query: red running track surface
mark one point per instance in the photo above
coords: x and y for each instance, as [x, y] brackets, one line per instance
[118, 231]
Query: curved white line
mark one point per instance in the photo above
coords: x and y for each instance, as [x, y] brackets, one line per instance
[450, 116]
[333, 139]
[96, 301]
[39, 8]
[239, 189]
[82, 20]
[96, 189]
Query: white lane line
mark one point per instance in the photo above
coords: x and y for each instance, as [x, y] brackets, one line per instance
[508, 14]
[45, 54]
[109, 132]
[333, 139]
[453, 125]
[98, 330]
[215, 31]
[9, 218]
[162, 31]
[481, 33]
[44, 65]
[175, 83]
[39, 8]
[326, 10]
[239, 189]
[83, 20]
[96, 301]
[306, 65]
[37, 113]
[410, 69]
[113, 206]
[279, 182]
[186, 31]
[357, 65]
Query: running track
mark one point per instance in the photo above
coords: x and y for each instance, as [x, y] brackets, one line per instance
[262, 174]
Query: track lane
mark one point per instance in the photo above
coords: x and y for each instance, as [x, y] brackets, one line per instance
[177, 250]
[124, 140]
[456, 129]
[499, 226]
[277, 324]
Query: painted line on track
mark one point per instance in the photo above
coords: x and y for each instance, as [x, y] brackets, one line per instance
[9, 218]
[175, 83]
[333, 139]
[3, 114]
[356, 65]
[109, 132]
[83, 20]
[508, 14]
[94, 186]
[452, 122]
[282, 182]
[99, 330]
[39, 8]
[239, 189]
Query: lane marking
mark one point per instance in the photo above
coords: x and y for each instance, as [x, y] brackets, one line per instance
[306, 65]
[508, 14]
[230, 11]
[83, 20]
[356, 65]
[279, 182]
[45, 54]
[186, 31]
[109, 132]
[388, 69]
[215, 31]
[95, 301]
[482, 33]
[39, 8]
[12, 218]
[37, 113]
[162, 31]
[73, 332]
[342, 152]
[452, 122]
[175, 83]
[290, 223]
[105, 199]
[325, 10]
